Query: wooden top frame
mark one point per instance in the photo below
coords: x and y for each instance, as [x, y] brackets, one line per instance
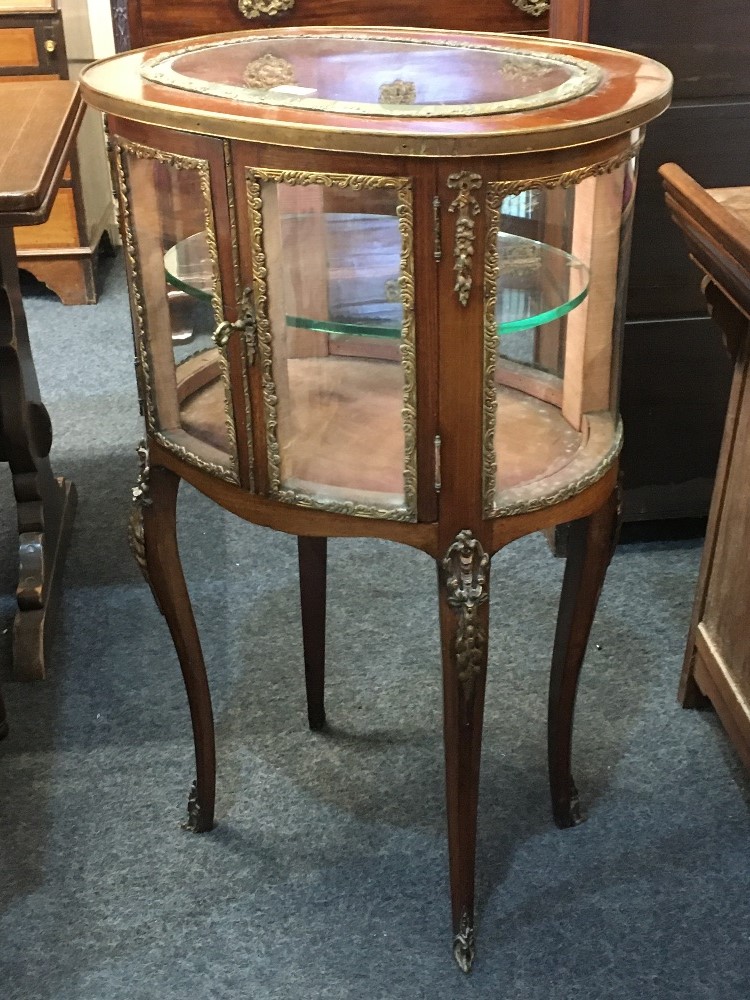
[633, 91]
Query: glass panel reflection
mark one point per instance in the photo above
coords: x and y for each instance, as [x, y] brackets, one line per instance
[367, 74]
[187, 386]
[339, 377]
[554, 257]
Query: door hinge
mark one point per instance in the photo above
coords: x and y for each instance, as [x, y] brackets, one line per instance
[438, 473]
[437, 252]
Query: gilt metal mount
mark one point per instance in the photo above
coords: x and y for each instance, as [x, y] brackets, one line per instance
[263, 8]
[464, 943]
[534, 7]
[466, 568]
[467, 207]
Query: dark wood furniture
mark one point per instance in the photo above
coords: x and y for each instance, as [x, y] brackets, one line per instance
[149, 22]
[410, 327]
[38, 122]
[676, 374]
[62, 251]
[716, 226]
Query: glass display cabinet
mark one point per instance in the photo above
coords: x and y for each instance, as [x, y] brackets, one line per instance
[376, 281]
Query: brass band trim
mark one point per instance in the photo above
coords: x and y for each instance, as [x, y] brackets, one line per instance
[137, 297]
[254, 178]
[571, 489]
[238, 284]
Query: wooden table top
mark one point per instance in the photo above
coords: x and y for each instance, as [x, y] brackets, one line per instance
[38, 123]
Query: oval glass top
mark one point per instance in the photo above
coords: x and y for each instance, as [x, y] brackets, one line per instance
[369, 75]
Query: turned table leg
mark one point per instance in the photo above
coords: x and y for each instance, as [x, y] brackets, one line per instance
[45, 503]
[312, 555]
[591, 543]
[153, 539]
[463, 586]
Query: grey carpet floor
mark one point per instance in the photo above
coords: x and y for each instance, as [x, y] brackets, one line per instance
[327, 874]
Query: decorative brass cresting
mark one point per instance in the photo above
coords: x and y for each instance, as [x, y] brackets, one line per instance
[467, 206]
[259, 8]
[466, 567]
[534, 7]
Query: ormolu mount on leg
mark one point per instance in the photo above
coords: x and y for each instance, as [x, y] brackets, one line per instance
[463, 577]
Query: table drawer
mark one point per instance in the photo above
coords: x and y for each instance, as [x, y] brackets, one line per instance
[18, 47]
[32, 45]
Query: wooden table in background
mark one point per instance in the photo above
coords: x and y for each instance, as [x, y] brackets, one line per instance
[38, 123]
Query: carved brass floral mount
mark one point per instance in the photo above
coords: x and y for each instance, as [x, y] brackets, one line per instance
[259, 8]
[534, 7]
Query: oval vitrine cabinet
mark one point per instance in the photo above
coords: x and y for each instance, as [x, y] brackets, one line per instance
[376, 280]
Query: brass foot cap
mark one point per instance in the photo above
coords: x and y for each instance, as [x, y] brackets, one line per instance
[464, 944]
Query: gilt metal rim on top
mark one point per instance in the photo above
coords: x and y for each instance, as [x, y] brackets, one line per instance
[113, 85]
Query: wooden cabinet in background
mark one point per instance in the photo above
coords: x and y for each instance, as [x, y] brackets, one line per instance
[676, 374]
[716, 226]
[149, 22]
[62, 251]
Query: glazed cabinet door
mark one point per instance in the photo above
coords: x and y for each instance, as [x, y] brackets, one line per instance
[189, 338]
[332, 261]
[531, 314]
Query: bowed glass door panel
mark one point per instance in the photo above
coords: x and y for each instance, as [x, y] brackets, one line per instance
[334, 295]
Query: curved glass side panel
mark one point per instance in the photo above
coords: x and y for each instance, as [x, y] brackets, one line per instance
[169, 229]
[555, 274]
[334, 294]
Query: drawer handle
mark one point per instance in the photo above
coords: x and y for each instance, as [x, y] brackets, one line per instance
[264, 8]
[534, 7]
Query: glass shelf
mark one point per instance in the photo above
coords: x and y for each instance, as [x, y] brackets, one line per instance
[537, 283]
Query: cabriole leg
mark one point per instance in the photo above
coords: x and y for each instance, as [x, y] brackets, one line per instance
[312, 554]
[463, 582]
[591, 543]
[153, 539]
